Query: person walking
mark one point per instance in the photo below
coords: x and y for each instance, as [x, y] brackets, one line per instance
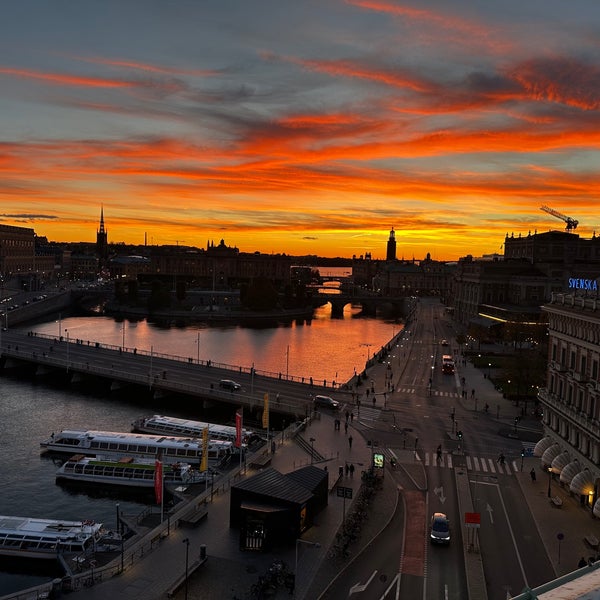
[350, 442]
[532, 474]
[346, 427]
[501, 459]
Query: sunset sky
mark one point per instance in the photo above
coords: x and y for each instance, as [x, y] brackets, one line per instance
[301, 126]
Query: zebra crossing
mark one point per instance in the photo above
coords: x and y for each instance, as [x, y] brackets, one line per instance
[479, 464]
[368, 413]
[411, 390]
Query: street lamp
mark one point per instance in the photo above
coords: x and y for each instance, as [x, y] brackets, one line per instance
[123, 345]
[549, 482]
[67, 333]
[186, 541]
[311, 545]
[312, 449]
[489, 370]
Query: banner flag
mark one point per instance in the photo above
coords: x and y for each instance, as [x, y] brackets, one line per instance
[238, 428]
[265, 420]
[158, 479]
[204, 461]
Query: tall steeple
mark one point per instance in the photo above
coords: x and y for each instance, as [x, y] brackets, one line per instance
[102, 240]
[391, 246]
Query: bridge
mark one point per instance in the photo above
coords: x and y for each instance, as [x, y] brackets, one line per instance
[161, 375]
[369, 302]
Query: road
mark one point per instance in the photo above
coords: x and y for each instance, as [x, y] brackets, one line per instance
[426, 409]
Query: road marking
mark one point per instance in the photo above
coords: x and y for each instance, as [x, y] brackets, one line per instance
[361, 587]
[439, 492]
[490, 512]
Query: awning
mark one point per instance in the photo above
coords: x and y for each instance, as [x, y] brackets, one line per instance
[560, 462]
[582, 483]
[596, 510]
[543, 445]
[550, 454]
[567, 474]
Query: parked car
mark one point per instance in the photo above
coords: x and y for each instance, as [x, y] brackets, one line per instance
[326, 402]
[229, 384]
[444, 342]
[440, 529]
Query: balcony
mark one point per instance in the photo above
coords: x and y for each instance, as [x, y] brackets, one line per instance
[577, 417]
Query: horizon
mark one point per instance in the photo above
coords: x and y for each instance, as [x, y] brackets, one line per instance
[314, 127]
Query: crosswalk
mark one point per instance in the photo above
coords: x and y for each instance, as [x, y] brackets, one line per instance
[441, 394]
[478, 464]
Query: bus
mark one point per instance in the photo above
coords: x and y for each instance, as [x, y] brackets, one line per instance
[447, 364]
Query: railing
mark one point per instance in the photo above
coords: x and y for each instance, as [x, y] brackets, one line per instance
[137, 551]
[183, 359]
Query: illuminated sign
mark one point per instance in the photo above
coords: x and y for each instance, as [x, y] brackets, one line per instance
[378, 460]
[576, 283]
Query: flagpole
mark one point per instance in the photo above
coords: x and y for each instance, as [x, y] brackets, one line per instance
[162, 495]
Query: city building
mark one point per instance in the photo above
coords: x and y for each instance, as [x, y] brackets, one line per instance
[491, 292]
[570, 448]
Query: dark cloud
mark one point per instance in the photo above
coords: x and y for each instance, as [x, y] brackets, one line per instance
[27, 216]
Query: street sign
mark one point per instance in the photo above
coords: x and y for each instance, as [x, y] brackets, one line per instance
[473, 519]
[344, 492]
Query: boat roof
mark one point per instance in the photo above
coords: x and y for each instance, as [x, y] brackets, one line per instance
[47, 527]
[134, 462]
[200, 425]
[137, 438]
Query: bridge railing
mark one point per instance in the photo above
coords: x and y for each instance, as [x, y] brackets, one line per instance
[189, 359]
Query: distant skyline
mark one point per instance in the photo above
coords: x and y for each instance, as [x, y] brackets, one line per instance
[304, 127]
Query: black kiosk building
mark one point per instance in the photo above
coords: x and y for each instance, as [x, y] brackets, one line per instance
[271, 509]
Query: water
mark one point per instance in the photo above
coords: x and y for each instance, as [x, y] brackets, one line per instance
[324, 348]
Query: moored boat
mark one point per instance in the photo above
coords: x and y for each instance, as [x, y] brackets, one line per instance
[127, 471]
[164, 425]
[118, 445]
[47, 538]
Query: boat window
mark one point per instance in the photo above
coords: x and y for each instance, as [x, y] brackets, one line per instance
[113, 446]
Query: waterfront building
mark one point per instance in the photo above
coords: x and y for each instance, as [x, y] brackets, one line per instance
[570, 449]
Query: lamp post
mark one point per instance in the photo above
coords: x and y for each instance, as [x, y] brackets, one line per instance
[489, 370]
[198, 344]
[549, 482]
[311, 545]
[312, 449]
[123, 344]
[67, 334]
[186, 541]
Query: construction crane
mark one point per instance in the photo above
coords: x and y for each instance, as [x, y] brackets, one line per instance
[571, 223]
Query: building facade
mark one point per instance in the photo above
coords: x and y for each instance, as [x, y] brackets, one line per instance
[570, 449]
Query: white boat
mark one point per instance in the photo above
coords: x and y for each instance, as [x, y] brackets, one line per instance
[119, 445]
[127, 471]
[46, 538]
[161, 424]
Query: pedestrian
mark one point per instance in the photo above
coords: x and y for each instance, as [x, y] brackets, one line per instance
[374, 400]
[278, 399]
[350, 442]
[532, 474]
[346, 427]
[273, 447]
[472, 394]
[347, 469]
[352, 417]
[501, 459]
[347, 415]
[351, 469]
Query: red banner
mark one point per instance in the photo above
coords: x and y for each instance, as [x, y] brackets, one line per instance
[158, 481]
[238, 428]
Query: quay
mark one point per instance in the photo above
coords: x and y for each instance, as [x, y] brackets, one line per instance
[159, 375]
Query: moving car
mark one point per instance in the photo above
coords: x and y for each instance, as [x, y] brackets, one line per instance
[440, 529]
[326, 402]
[229, 384]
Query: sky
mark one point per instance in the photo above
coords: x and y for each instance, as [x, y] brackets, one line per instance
[301, 126]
